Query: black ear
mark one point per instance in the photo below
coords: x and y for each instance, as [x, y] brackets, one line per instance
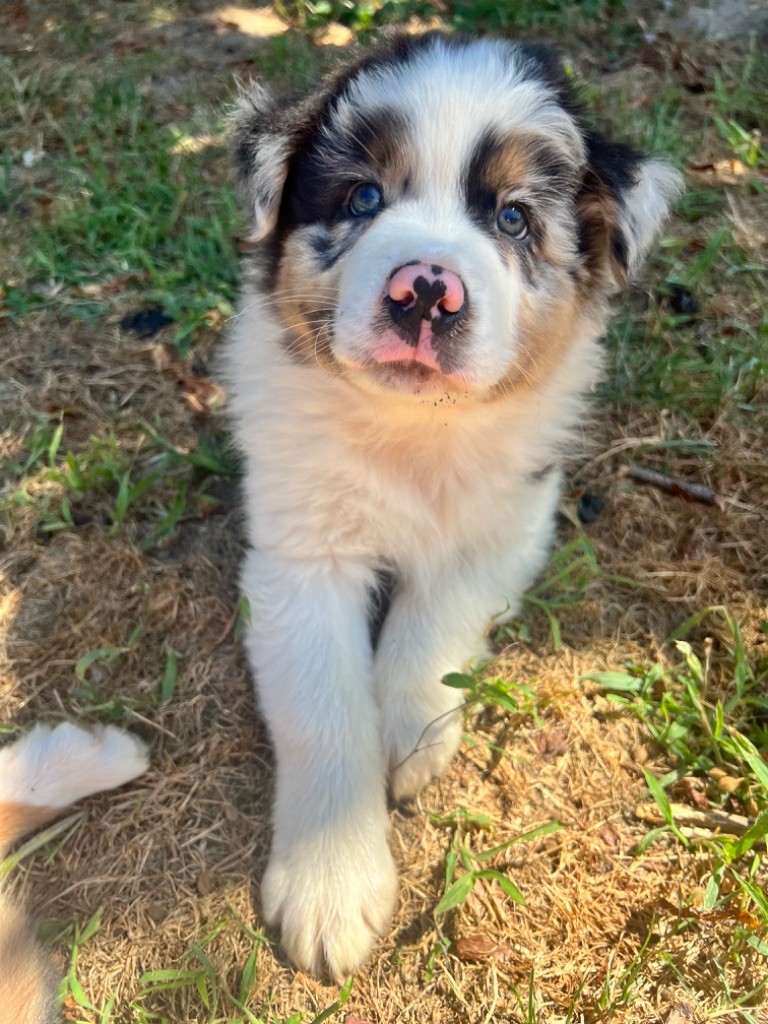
[266, 136]
[623, 201]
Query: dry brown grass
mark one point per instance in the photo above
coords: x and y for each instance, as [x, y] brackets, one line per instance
[179, 853]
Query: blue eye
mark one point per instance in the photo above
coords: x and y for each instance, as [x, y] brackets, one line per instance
[365, 201]
[513, 222]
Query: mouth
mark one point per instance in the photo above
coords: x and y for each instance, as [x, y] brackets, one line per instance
[412, 378]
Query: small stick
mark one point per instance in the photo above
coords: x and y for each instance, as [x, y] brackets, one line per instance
[671, 484]
[688, 817]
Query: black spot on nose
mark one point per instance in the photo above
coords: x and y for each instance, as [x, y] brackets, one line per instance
[428, 294]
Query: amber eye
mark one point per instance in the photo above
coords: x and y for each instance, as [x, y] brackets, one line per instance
[513, 221]
[365, 201]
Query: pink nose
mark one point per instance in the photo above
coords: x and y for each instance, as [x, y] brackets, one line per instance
[436, 290]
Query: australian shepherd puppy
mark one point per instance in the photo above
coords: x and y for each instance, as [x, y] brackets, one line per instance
[439, 231]
[40, 775]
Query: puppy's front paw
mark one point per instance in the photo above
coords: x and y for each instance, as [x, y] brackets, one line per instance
[419, 751]
[332, 900]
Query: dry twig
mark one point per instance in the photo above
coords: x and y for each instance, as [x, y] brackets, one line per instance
[670, 484]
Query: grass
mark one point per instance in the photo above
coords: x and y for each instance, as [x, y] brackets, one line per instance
[712, 726]
[130, 216]
[141, 480]
[114, 197]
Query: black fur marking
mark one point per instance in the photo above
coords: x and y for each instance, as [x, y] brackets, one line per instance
[620, 249]
[549, 178]
[325, 168]
[479, 196]
[616, 165]
[329, 246]
[323, 247]
[546, 65]
[614, 169]
[381, 601]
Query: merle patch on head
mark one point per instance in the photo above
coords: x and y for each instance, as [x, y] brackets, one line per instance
[330, 244]
[500, 164]
[329, 164]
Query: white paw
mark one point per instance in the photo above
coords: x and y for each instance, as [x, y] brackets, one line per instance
[332, 900]
[419, 751]
[55, 767]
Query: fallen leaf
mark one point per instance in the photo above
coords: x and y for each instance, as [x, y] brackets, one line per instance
[251, 23]
[470, 948]
[552, 744]
[610, 836]
[691, 790]
[201, 395]
[114, 284]
[729, 172]
[681, 1013]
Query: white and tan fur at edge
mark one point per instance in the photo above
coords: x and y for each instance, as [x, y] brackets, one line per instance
[438, 232]
[41, 774]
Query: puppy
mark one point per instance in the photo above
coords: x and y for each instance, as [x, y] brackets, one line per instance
[438, 231]
[40, 775]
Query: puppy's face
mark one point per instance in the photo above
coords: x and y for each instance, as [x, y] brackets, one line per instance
[438, 221]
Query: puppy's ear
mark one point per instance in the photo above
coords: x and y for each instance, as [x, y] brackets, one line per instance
[623, 201]
[264, 144]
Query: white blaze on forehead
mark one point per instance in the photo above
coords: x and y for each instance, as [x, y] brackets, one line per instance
[451, 95]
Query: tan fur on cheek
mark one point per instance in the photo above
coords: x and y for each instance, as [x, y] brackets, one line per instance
[547, 328]
[305, 298]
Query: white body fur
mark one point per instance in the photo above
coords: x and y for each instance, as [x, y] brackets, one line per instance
[343, 477]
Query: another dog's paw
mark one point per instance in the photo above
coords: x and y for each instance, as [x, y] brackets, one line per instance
[56, 766]
[418, 752]
[332, 900]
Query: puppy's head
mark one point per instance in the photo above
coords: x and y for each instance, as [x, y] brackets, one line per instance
[439, 219]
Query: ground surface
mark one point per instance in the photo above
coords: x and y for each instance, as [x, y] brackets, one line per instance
[120, 542]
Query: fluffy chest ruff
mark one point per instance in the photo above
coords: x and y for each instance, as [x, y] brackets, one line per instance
[339, 472]
[438, 232]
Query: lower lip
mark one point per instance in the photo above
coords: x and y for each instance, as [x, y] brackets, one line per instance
[412, 377]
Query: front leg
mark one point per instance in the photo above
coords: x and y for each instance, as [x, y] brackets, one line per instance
[438, 623]
[330, 882]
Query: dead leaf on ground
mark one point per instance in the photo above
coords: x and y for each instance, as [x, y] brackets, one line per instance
[690, 790]
[470, 948]
[681, 1013]
[261, 23]
[552, 743]
[201, 395]
[729, 172]
[110, 286]
[610, 836]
